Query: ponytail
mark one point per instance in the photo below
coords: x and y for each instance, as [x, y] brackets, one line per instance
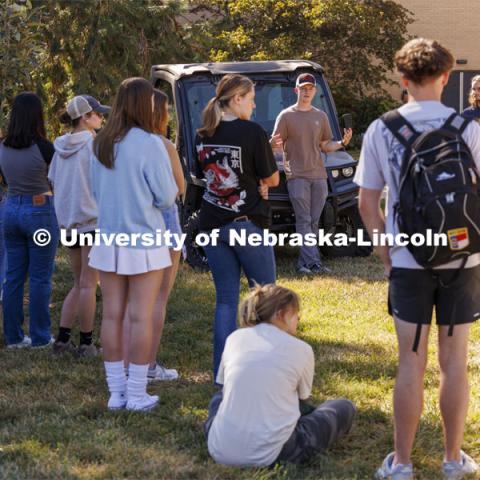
[65, 118]
[229, 86]
[264, 302]
[211, 116]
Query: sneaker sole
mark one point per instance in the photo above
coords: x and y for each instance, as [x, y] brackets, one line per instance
[143, 409]
[114, 409]
[153, 380]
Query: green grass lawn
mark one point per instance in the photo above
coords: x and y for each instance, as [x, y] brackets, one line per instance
[54, 423]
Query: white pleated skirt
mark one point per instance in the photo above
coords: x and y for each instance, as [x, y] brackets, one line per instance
[128, 261]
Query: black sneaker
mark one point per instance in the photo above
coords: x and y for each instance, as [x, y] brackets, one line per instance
[304, 271]
[320, 269]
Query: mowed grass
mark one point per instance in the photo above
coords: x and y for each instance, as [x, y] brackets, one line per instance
[54, 423]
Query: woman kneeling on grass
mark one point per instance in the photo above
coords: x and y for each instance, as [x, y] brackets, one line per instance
[266, 374]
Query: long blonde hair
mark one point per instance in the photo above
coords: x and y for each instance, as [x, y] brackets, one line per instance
[263, 302]
[471, 97]
[229, 86]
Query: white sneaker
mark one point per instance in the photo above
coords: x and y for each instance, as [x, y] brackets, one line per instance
[117, 401]
[25, 343]
[398, 472]
[161, 373]
[143, 404]
[454, 470]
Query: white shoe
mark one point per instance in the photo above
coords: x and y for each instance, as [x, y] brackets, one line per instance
[394, 472]
[455, 470]
[143, 404]
[161, 373]
[117, 401]
[25, 343]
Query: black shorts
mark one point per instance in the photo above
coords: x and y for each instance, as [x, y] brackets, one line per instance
[413, 293]
[77, 243]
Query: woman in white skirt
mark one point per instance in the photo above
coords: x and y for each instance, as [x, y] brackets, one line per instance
[132, 181]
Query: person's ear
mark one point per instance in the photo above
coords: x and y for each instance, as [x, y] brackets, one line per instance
[296, 89]
[445, 78]
[404, 81]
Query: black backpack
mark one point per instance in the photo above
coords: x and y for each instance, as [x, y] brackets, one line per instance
[437, 191]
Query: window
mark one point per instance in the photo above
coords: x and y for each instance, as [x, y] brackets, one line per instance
[271, 97]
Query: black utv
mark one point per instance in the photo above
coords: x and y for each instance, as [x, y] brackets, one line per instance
[191, 86]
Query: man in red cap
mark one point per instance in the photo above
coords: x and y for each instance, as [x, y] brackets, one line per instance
[303, 132]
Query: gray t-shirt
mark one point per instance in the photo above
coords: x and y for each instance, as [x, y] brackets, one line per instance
[380, 161]
[25, 169]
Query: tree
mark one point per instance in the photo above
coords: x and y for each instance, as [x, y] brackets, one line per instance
[20, 43]
[354, 40]
[92, 45]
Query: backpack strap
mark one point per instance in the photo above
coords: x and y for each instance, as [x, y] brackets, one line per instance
[400, 127]
[456, 123]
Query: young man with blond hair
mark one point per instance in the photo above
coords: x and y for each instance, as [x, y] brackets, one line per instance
[424, 66]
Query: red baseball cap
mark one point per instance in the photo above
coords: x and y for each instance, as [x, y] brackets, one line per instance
[305, 79]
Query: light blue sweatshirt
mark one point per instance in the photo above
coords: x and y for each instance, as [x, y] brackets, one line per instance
[130, 195]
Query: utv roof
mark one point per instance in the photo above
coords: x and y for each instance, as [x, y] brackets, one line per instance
[221, 68]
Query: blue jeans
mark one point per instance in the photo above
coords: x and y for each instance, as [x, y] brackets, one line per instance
[24, 257]
[226, 263]
[3, 253]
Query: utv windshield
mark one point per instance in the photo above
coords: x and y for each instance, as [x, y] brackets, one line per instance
[271, 97]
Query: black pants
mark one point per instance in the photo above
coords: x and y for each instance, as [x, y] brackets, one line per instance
[315, 431]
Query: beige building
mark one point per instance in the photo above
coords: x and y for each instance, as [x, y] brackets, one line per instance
[455, 24]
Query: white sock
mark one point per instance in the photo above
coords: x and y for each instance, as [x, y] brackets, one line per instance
[116, 379]
[137, 381]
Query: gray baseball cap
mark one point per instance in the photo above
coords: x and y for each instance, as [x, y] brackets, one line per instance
[82, 104]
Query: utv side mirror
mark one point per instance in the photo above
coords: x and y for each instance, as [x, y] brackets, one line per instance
[347, 120]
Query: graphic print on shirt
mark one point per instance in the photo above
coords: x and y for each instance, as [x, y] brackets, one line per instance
[221, 166]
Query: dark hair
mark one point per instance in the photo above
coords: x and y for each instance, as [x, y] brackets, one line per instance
[160, 102]
[132, 107]
[421, 58]
[26, 124]
[65, 118]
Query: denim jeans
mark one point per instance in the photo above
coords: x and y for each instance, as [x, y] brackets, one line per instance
[226, 263]
[3, 253]
[24, 257]
[308, 199]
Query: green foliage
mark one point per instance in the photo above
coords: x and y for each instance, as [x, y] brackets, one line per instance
[19, 46]
[354, 40]
[364, 111]
[91, 46]
[61, 48]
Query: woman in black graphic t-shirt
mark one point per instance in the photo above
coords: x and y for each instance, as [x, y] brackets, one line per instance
[236, 160]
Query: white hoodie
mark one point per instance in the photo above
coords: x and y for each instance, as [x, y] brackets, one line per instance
[69, 174]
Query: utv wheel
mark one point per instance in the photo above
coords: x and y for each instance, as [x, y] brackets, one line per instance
[349, 222]
[196, 256]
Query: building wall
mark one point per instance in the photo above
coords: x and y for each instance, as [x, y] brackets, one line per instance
[455, 24]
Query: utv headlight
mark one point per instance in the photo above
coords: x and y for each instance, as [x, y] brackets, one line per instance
[347, 172]
[335, 173]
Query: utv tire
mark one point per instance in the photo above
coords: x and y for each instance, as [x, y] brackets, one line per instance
[195, 255]
[349, 222]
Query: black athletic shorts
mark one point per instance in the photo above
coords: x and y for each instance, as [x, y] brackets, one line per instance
[413, 293]
[77, 243]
